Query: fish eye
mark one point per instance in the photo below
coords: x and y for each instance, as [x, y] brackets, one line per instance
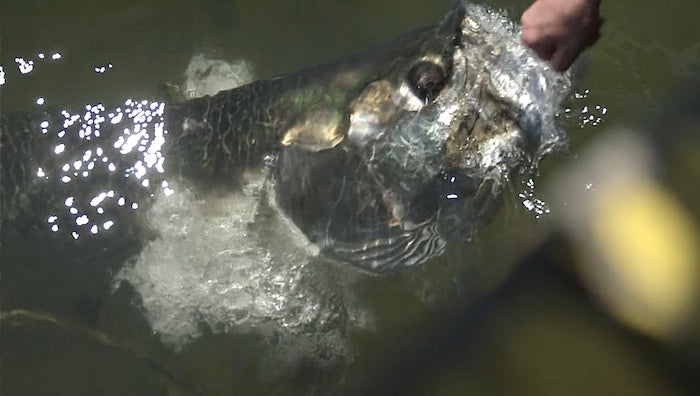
[426, 80]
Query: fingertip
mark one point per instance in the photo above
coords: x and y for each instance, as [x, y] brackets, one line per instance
[523, 19]
[527, 37]
[526, 17]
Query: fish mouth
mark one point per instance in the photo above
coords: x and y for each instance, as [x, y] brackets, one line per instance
[507, 123]
[466, 203]
[431, 138]
[470, 194]
[519, 93]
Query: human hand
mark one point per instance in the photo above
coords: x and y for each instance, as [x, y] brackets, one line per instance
[559, 30]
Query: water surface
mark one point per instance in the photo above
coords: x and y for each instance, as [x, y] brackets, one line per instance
[69, 326]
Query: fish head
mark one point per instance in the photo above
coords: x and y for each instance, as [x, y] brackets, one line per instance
[412, 143]
[454, 117]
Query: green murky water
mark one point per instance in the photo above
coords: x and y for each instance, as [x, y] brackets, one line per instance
[452, 327]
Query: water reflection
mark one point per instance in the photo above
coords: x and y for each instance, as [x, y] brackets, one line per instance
[531, 202]
[524, 351]
[103, 69]
[25, 66]
[132, 150]
[587, 113]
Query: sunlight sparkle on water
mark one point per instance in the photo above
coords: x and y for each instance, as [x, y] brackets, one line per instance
[589, 114]
[102, 69]
[530, 202]
[143, 129]
[84, 140]
[25, 66]
[98, 199]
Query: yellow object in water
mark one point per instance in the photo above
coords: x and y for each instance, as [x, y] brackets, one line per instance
[649, 276]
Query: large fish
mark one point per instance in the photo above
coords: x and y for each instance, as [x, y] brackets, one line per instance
[379, 158]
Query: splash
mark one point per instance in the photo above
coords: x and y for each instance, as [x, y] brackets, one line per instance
[224, 264]
[206, 75]
[520, 77]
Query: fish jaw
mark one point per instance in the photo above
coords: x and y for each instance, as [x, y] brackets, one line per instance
[445, 117]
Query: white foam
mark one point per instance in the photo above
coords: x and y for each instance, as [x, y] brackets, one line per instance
[211, 268]
[520, 77]
[207, 76]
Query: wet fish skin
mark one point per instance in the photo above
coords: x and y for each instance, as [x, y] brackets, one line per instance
[379, 158]
[308, 109]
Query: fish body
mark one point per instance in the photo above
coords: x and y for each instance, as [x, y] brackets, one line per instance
[379, 158]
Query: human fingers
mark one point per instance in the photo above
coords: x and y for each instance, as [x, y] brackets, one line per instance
[563, 57]
[543, 46]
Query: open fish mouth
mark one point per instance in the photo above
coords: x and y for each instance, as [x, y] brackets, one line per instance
[431, 142]
[379, 158]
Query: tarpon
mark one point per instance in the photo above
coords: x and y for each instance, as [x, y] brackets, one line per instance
[379, 158]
